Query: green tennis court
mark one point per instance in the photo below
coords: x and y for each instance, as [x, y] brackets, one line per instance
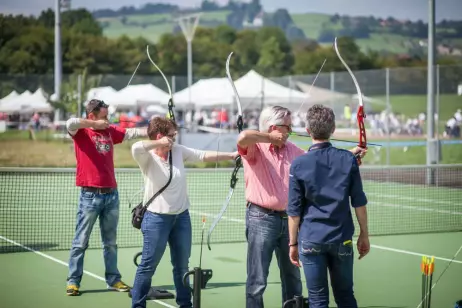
[407, 218]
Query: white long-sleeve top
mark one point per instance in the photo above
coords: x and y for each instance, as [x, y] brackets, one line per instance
[174, 199]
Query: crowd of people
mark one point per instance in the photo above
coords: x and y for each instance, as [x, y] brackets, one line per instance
[452, 128]
[380, 124]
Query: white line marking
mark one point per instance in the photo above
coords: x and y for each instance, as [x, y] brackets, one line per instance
[397, 197]
[374, 246]
[417, 208]
[412, 253]
[67, 265]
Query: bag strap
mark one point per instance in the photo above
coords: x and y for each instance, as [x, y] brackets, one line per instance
[168, 182]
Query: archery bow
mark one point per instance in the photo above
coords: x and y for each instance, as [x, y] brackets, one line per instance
[360, 115]
[238, 165]
[170, 101]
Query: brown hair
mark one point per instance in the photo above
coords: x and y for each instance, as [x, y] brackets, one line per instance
[320, 121]
[160, 125]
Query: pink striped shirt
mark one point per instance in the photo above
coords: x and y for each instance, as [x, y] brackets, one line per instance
[266, 173]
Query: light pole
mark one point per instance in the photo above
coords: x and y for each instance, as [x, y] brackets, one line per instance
[58, 56]
[432, 144]
[65, 4]
[188, 25]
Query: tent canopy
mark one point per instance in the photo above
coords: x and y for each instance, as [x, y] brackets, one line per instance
[252, 87]
[102, 93]
[205, 93]
[9, 96]
[135, 95]
[27, 102]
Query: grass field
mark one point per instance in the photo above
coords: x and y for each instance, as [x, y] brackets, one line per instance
[153, 26]
[38, 211]
[42, 153]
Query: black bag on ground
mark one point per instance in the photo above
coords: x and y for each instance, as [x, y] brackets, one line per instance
[140, 209]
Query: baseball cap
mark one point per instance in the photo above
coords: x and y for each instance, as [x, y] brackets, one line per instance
[95, 105]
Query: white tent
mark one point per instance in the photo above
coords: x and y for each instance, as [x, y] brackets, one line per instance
[135, 95]
[101, 93]
[9, 96]
[156, 109]
[216, 92]
[252, 87]
[321, 95]
[27, 103]
[211, 92]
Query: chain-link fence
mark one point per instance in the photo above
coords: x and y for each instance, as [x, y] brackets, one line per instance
[38, 206]
[395, 101]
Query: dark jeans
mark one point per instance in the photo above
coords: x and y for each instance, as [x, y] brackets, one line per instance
[91, 206]
[316, 259]
[267, 233]
[158, 229]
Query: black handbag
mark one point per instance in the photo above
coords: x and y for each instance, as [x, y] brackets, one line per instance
[140, 209]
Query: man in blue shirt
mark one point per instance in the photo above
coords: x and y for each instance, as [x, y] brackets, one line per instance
[321, 184]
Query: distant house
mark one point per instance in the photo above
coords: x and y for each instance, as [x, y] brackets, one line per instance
[443, 49]
[256, 23]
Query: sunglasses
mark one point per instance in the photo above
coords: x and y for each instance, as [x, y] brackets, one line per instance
[288, 127]
[98, 106]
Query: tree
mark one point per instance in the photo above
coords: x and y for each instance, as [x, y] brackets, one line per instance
[271, 61]
[69, 101]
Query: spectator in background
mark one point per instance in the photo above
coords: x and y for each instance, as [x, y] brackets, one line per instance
[94, 141]
[347, 114]
[452, 128]
[458, 116]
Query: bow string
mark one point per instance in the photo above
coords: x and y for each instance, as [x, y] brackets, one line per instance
[171, 114]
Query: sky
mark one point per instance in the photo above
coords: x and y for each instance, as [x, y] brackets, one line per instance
[400, 9]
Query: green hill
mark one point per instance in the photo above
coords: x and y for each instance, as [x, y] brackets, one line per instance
[313, 26]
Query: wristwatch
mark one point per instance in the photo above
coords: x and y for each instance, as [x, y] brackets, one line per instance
[291, 245]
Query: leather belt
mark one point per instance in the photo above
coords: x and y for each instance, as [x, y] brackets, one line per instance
[99, 190]
[259, 208]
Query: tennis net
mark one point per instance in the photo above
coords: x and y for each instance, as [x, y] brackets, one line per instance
[38, 206]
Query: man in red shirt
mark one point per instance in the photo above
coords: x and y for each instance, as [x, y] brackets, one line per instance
[94, 141]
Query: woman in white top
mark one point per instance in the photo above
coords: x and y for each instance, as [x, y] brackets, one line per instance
[167, 218]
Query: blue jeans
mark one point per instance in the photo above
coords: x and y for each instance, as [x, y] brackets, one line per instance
[267, 233]
[158, 230]
[338, 259]
[92, 205]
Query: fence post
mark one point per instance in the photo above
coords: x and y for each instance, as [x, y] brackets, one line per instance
[290, 87]
[387, 121]
[332, 87]
[79, 96]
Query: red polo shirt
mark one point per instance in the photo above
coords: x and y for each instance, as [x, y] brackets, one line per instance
[94, 152]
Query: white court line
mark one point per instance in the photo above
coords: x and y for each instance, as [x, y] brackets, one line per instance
[417, 208]
[442, 202]
[67, 265]
[407, 252]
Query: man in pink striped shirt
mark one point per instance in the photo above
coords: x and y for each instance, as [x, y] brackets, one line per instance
[267, 156]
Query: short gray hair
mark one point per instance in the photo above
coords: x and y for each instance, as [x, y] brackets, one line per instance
[320, 120]
[274, 115]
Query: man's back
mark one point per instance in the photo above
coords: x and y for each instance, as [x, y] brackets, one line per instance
[327, 177]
